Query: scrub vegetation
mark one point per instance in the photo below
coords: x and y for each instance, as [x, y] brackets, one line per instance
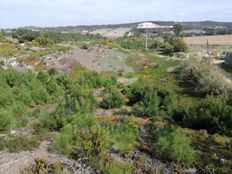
[168, 114]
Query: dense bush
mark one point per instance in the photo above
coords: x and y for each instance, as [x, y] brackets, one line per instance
[211, 114]
[61, 37]
[82, 136]
[42, 41]
[112, 98]
[24, 35]
[204, 77]
[172, 144]
[167, 48]
[5, 120]
[131, 42]
[150, 101]
[84, 46]
[20, 91]
[123, 135]
[90, 80]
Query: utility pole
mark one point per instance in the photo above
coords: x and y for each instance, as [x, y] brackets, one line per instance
[207, 46]
[146, 38]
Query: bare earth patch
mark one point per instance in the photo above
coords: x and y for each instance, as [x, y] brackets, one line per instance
[97, 59]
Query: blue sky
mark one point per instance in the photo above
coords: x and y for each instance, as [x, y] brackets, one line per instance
[17, 13]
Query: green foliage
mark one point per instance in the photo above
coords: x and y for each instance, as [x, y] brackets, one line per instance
[204, 77]
[131, 42]
[172, 144]
[40, 166]
[117, 167]
[177, 29]
[20, 91]
[20, 143]
[123, 135]
[167, 48]
[61, 37]
[211, 114]
[150, 101]
[79, 101]
[82, 136]
[5, 121]
[90, 80]
[84, 47]
[42, 41]
[24, 35]
[112, 98]
[173, 45]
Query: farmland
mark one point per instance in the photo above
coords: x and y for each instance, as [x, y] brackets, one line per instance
[224, 40]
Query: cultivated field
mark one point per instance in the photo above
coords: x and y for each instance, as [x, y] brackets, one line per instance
[213, 40]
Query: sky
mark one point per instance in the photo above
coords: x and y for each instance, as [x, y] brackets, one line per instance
[48, 13]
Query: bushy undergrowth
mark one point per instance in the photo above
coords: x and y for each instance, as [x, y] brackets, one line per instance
[204, 77]
[211, 114]
[93, 80]
[117, 167]
[20, 91]
[40, 166]
[123, 135]
[81, 136]
[42, 41]
[172, 144]
[150, 101]
[112, 98]
[19, 143]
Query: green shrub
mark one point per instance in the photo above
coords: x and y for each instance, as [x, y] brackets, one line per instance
[24, 35]
[117, 167]
[42, 41]
[82, 136]
[204, 77]
[90, 80]
[167, 48]
[84, 46]
[21, 143]
[112, 99]
[123, 135]
[172, 144]
[150, 101]
[211, 114]
[179, 45]
[131, 42]
[5, 120]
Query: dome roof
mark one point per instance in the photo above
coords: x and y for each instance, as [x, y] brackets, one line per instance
[147, 25]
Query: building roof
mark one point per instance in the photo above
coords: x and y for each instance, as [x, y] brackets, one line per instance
[150, 25]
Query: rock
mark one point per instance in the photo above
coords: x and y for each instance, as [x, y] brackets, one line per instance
[191, 171]
[114, 149]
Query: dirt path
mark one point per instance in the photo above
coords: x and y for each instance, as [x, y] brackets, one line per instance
[14, 163]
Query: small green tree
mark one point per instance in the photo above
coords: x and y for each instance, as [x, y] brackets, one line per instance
[172, 144]
[112, 99]
[177, 29]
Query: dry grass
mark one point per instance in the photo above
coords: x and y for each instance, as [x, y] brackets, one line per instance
[213, 40]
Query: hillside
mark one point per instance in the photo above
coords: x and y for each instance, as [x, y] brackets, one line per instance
[85, 104]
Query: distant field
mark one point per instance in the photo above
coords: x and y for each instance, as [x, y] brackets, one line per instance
[213, 40]
[112, 33]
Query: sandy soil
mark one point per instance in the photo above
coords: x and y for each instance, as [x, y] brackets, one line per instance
[15, 163]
